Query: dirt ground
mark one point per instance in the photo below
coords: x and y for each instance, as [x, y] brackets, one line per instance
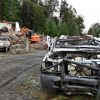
[20, 78]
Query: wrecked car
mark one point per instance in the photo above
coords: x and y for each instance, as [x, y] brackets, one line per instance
[72, 66]
[5, 43]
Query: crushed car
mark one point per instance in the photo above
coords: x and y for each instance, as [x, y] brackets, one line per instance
[72, 66]
[5, 43]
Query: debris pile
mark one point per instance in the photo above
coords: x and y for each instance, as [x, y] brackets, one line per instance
[40, 45]
[18, 36]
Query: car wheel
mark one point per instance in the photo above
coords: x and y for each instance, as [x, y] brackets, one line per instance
[8, 48]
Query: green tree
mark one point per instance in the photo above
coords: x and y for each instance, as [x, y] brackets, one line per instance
[32, 15]
[79, 22]
[63, 29]
[10, 10]
[51, 7]
[94, 30]
[51, 28]
[68, 15]
[2, 9]
[68, 24]
[35, 1]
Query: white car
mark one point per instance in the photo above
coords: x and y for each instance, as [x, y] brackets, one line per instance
[5, 43]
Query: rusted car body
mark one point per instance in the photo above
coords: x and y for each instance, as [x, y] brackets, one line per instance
[72, 66]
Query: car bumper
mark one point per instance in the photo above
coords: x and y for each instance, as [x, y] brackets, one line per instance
[69, 84]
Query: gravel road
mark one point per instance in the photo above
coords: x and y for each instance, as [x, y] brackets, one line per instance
[19, 76]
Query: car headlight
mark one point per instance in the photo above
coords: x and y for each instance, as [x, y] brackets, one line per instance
[1, 44]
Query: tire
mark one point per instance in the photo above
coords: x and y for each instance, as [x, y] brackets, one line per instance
[8, 48]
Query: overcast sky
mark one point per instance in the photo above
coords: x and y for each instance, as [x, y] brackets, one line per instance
[90, 9]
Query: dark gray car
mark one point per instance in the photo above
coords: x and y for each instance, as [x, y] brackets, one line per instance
[72, 68]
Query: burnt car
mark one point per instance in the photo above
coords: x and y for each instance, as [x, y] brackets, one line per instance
[72, 66]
